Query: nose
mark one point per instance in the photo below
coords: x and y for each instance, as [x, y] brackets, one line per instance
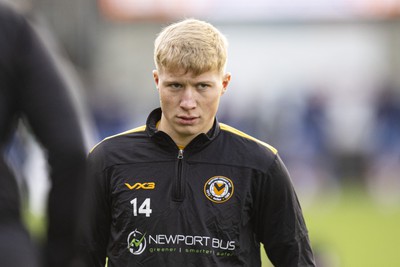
[188, 100]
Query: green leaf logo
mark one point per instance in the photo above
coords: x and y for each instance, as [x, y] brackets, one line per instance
[136, 242]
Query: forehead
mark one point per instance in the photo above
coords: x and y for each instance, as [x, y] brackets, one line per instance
[183, 74]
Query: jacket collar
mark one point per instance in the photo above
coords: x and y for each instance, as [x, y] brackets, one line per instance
[164, 139]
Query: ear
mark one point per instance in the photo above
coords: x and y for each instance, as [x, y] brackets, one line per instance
[155, 77]
[225, 82]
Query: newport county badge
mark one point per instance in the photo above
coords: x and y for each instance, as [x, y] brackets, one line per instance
[218, 189]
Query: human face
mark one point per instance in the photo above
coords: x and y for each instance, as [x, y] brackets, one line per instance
[189, 102]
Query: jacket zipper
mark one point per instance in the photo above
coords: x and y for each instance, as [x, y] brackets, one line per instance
[178, 186]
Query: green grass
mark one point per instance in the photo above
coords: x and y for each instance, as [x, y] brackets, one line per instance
[353, 230]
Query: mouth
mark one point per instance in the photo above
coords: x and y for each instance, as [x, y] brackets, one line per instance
[187, 120]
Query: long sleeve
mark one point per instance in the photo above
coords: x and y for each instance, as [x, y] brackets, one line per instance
[96, 217]
[280, 224]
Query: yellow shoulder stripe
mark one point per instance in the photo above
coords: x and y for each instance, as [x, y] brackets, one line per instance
[137, 129]
[240, 133]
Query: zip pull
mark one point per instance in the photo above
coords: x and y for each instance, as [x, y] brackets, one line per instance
[180, 154]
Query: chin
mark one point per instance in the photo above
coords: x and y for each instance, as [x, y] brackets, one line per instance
[188, 131]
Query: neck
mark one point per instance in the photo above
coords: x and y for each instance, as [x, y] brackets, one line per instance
[180, 141]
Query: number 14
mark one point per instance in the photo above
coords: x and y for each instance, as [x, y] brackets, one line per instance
[144, 208]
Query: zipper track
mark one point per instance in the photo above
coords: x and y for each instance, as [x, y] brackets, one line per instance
[178, 193]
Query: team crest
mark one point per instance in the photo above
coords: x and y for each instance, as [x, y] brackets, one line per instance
[218, 189]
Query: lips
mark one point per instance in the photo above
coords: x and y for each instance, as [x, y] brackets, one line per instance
[187, 120]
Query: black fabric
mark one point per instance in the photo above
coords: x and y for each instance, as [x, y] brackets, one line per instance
[31, 88]
[211, 204]
[16, 246]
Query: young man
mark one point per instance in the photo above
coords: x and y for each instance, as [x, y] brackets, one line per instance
[186, 190]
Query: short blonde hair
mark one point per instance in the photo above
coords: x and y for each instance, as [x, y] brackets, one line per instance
[192, 45]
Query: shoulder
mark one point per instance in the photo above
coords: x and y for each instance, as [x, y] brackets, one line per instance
[117, 141]
[241, 149]
[13, 27]
[246, 137]
[9, 14]
[116, 149]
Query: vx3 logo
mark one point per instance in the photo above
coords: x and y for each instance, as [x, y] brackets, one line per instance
[137, 186]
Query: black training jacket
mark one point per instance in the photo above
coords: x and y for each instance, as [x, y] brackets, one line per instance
[211, 204]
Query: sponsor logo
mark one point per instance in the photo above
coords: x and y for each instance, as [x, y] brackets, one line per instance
[136, 242]
[178, 243]
[137, 186]
[218, 189]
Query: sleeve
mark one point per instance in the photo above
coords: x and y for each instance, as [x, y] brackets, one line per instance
[45, 103]
[280, 223]
[96, 214]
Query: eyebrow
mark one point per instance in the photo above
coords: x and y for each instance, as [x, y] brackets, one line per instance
[178, 80]
[205, 81]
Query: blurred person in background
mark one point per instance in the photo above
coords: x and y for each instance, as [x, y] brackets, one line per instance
[186, 190]
[32, 89]
[383, 179]
[387, 121]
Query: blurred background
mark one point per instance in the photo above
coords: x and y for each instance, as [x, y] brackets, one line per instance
[318, 80]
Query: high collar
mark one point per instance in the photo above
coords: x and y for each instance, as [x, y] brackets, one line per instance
[164, 139]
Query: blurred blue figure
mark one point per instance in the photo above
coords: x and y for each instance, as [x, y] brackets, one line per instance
[314, 123]
[301, 127]
[384, 154]
[387, 127]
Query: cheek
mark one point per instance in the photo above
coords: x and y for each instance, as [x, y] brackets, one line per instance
[212, 104]
[166, 100]
[162, 95]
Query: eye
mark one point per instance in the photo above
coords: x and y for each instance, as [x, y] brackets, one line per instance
[203, 86]
[175, 85]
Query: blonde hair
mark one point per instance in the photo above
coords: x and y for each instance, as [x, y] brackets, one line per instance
[192, 45]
